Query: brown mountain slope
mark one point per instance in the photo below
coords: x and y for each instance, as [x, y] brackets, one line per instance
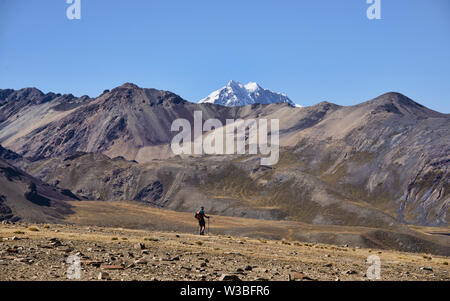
[390, 152]
[128, 121]
[23, 197]
[232, 189]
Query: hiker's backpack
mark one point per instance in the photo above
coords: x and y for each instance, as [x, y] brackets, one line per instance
[197, 215]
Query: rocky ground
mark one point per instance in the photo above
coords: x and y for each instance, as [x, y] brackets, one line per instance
[41, 252]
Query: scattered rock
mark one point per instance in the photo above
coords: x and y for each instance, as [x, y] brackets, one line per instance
[227, 277]
[14, 249]
[296, 276]
[299, 277]
[261, 279]
[141, 261]
[93, 263]
[23, 260]
[112, 267]
[260, 270]
[140, 246]
[68, 250]
[426, 269]
[233, 253]
[103, 276]
[54, 242]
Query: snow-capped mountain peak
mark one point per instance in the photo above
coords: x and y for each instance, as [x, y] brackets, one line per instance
[236, 94]
[252, 87]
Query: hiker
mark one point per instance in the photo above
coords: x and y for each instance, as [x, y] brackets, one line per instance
[200, 216]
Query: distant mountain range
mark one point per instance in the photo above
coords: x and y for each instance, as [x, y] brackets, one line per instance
[382, 163]
[235, 94]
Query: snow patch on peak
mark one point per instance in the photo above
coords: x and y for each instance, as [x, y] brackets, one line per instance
[252, 87]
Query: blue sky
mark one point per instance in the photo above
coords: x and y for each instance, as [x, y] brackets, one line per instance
[311, 50]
